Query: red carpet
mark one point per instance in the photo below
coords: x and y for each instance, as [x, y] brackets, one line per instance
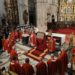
[65, 30]
[36, 54]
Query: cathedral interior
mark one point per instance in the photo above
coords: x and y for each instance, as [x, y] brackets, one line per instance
[37, 37]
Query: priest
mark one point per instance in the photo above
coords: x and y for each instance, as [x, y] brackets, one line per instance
[41, 68]
[27, 69]
[62, 62]
[52, 66]
[13, 53]
[51, 44]
[15, 66]
[65, 58]
[5, 45]
[32, 39]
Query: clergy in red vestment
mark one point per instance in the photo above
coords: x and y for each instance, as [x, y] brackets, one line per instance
[41, 68]
[9, 47]
[12, 34]
[15, 66]
[6, 43]
[20, 34]
[52, 66]
[16, 34]
[13, 53]
[59, 64]
[61, 70]
[32, 39]
[62, 62]
[27, 69]
[51, 44]
[65, 58]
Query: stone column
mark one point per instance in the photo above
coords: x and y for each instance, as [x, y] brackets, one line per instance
[53, 8]
[41, 15]
[22, 5]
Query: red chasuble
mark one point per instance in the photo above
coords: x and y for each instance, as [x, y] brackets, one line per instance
[13, 53]
[59, 65]
[52, 67]
[16, 34]
[15, 67]
[27, 69]
[62, 63]
[6, 45]
[10, 45]
[20, 35]
[32, 39]
[65, 59]
[51, 44]
[41, 69]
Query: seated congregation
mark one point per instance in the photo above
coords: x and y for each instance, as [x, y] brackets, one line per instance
[41, 45]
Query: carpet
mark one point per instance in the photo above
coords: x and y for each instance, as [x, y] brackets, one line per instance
[65, 30]
[36, 54]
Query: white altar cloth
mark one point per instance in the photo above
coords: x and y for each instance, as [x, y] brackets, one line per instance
[62, 36]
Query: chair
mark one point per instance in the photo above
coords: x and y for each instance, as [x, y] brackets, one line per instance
[41, 47]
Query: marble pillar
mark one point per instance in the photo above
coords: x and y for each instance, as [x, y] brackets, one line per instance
[41, 15]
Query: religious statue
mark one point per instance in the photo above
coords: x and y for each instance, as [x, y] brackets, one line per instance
[25, 16]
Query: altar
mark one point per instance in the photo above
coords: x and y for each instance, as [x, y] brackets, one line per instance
[58, 36]
[62, 36]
